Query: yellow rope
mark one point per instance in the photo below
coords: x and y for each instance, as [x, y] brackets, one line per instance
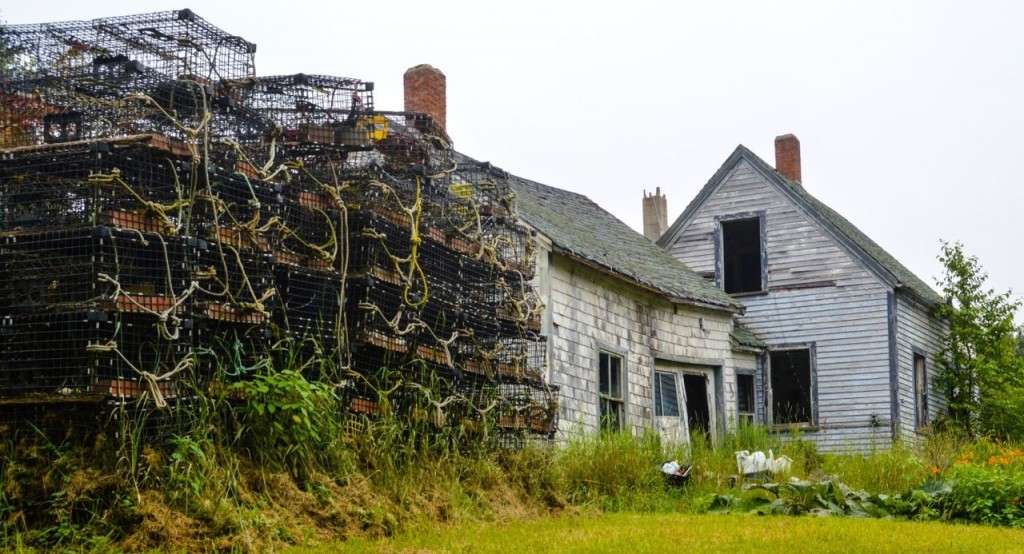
[414, 263]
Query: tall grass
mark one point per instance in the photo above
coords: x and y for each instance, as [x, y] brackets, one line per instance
[613, 471]
[271, 462]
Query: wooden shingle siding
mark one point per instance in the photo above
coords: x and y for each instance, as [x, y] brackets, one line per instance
[917, 330]
[591, 311]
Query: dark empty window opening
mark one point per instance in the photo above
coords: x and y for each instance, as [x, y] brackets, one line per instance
[791, 387]
[920, 391]
[610, 391]
[741, 255]
[745, 397]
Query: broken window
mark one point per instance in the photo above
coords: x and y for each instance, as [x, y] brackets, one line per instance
[745, 397]
[741, 255]
[666, 394]
[791, 386]
[610, 391]
[920, 391]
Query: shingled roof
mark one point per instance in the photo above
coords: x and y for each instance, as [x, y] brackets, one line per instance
[580, 229]
[847, 233]
[744, 339]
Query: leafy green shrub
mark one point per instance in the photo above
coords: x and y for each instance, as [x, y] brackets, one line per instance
[987, 485]
[291, 423]
[830, 498]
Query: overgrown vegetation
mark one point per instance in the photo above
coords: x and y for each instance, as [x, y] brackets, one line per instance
[267, 461]
[981, 366]
[270, 463]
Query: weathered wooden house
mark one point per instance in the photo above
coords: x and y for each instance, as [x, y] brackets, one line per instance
[851, 333]
[635, 339]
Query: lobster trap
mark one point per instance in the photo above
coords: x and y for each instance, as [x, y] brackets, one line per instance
[310, 304]
[131, 184]
[173, 43]
[171, 224]
[233, 285]
[228, 351]
[103, 268]
[93, 354]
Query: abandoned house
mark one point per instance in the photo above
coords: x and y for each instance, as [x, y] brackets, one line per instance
[851, 333]
[635, 339]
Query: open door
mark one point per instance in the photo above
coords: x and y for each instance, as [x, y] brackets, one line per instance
[684, 401]
[669, 408]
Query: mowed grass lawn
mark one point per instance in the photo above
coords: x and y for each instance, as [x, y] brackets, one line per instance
[621, 533]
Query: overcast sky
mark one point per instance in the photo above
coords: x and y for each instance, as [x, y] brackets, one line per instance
[910, 114]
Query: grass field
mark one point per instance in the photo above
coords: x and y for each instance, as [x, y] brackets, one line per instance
[620, 533]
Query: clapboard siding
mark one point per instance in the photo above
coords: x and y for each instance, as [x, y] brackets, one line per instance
[817, 293]
[590, 311]
[798, 251]
[917, 330]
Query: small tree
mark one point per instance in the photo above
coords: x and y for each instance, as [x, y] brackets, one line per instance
[981, 370]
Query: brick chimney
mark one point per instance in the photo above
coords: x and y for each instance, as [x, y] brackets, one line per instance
[787, 156]
[655, 215]
[425, 92]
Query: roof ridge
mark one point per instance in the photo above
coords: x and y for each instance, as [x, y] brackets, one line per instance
[841, 224]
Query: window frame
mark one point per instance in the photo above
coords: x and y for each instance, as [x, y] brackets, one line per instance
[719, 237]
[607, 399]
[811, 350]
[751, 415]
[658, 394]
[921, 399]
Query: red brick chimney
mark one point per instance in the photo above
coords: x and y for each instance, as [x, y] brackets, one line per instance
[425, 92]
[787, 156]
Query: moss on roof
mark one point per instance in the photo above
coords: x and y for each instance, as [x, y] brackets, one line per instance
[870, 247]
[582, 229]
[743, 337]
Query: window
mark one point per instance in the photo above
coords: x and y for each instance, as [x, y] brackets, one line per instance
[610, 391]
[791, 386]
[920, 391]
[741, 255]
[666, 394]
[745, 397]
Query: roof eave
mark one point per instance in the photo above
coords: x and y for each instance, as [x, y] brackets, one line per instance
[933, 302]
[852, 247]
[671, 297]
[738, 347]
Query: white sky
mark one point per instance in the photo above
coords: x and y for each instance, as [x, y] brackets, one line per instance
[910, 114]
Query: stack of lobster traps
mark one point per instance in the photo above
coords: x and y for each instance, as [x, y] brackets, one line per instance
[171, 224]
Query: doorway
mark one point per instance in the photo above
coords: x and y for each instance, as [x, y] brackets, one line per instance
[698, 409]
[684, 400]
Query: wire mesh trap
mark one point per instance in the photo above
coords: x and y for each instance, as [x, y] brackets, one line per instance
[171, 223]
